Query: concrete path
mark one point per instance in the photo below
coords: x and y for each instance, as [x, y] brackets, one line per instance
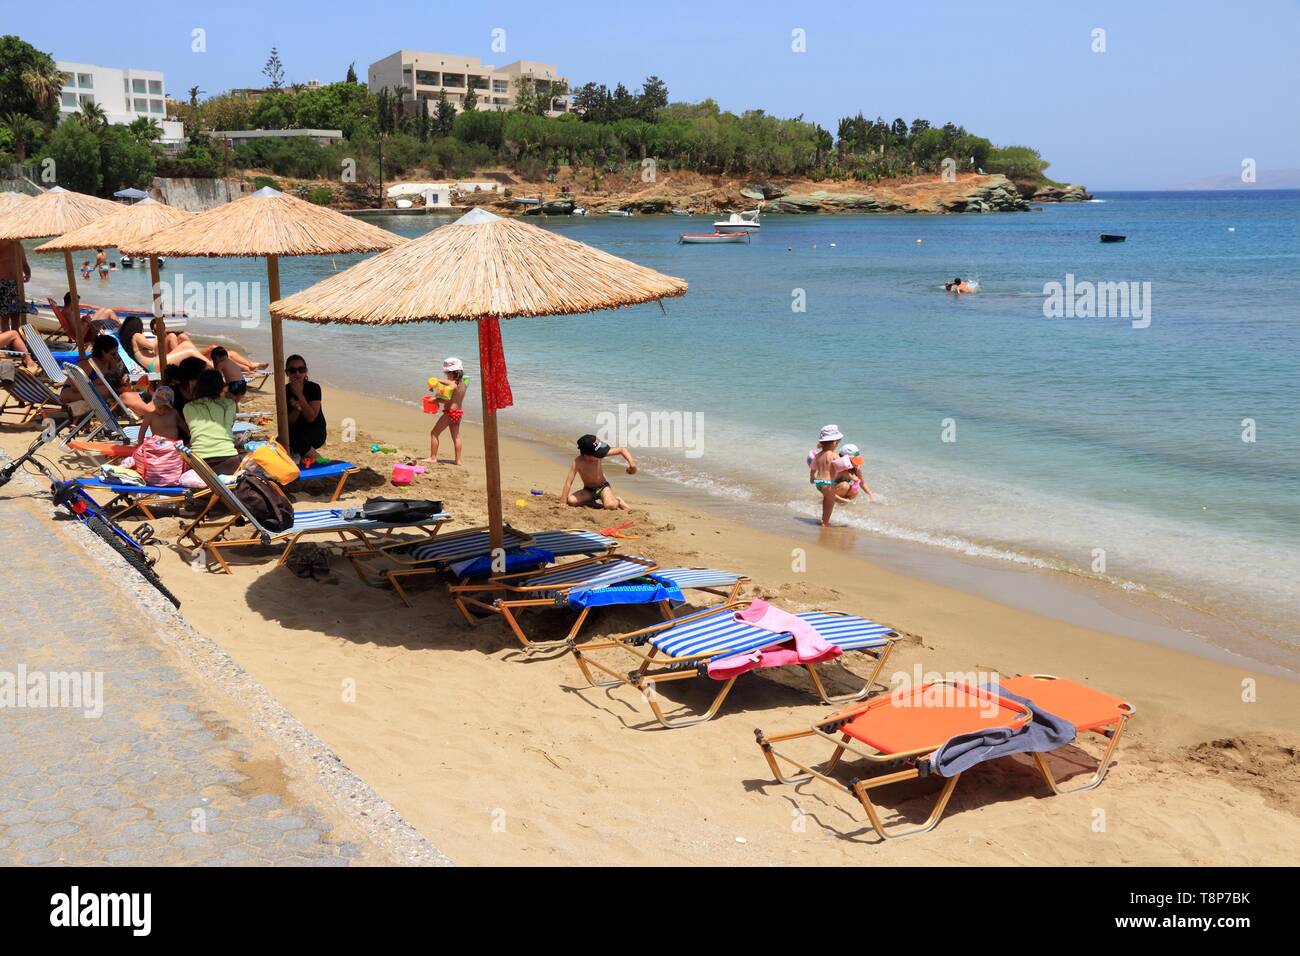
[148, 745]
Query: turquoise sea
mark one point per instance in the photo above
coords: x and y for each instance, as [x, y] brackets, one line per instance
[1105, 447]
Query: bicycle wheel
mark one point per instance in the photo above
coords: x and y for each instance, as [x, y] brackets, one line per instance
[131, 555]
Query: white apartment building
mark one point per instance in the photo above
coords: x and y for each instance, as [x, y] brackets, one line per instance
[125, 95]
[426, 75]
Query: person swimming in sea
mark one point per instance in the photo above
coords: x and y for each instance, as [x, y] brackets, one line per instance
[958, 286]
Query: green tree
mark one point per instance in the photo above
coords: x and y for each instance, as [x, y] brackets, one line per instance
[145, 129]
[194, 94]
[654, 97]
[125, 160]
[44, 82]
[274, 70]
[470, 101]
[23, 132]
[274, 110]
[444, 115]
[591, 102]
[1016, 162]
[92, 114]
[75, 149]
[20, 65]
[352, 73]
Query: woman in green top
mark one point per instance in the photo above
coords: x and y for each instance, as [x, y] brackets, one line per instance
[211, 420]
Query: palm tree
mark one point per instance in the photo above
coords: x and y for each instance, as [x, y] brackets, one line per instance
[145, 129]
[195, 93]
[92, 114]
[44, 83]
[24, 131]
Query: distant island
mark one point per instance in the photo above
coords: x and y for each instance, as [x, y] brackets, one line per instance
[1264, 179]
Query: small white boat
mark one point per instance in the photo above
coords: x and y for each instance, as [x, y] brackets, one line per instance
[578, 211]
[739, 222]
[45, 322]
[709, 238]
[622, 213]
[683, 212]
[404, 204]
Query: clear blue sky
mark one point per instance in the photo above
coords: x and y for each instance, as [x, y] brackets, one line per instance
[1185, 90]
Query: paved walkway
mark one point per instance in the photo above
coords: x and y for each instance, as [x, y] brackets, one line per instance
[171, 771]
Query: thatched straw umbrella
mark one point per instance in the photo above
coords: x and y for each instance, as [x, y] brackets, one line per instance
[123, 226]
[11, 199]
[52, 213]
[268, 224]
[481, 268]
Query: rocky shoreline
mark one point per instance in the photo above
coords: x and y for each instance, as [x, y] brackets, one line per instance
[977, 193]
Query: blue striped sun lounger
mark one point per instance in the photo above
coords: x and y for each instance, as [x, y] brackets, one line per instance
[127, 498]
[683, 649]
[29, 396]
[467, 554]
[313, 521]
[40, 350]
[583, 585]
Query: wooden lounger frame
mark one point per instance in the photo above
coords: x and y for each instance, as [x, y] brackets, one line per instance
[495, 596]
[215, 544]
[408, 567]
[654, 670]
[125, 503]
[915, 762]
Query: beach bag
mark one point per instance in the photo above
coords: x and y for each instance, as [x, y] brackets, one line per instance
[264, 499]
[191, 479]
[275, 461]
[8, 371]
[400, 510]
[159, 461]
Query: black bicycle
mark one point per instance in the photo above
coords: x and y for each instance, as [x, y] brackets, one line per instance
[73, 498]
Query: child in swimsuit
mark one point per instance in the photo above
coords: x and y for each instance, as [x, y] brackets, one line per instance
[164, 421]
[590, 468]
[452, 412]
[849, 480]
[822, 470]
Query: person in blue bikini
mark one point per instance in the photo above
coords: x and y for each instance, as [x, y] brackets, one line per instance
[823, 470]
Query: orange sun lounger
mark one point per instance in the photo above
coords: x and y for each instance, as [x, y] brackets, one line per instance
[905, 730]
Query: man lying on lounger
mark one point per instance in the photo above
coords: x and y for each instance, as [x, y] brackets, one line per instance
[589, 465]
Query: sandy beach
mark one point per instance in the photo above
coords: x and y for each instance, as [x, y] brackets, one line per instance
[499, 759]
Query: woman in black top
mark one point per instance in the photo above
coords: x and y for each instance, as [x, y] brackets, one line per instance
[306, 420]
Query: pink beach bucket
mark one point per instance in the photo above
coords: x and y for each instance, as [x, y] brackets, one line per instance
[404, 474]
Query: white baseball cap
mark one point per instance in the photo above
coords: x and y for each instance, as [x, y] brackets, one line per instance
[453, 364]
[831, 433]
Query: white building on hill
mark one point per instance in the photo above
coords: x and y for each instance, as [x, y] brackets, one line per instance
[125, 95]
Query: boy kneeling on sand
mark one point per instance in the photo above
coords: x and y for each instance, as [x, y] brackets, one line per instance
[589, 466]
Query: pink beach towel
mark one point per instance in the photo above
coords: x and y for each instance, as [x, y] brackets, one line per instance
[809, 647]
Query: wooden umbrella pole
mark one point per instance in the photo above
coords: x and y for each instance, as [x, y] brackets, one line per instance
[491, 456]
[74, 303]
[159, 323]
[277, 353]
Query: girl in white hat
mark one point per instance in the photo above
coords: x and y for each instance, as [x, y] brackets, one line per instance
[822, 470]
[451, 392]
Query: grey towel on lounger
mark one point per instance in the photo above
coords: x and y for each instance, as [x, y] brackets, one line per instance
[1045, 732]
